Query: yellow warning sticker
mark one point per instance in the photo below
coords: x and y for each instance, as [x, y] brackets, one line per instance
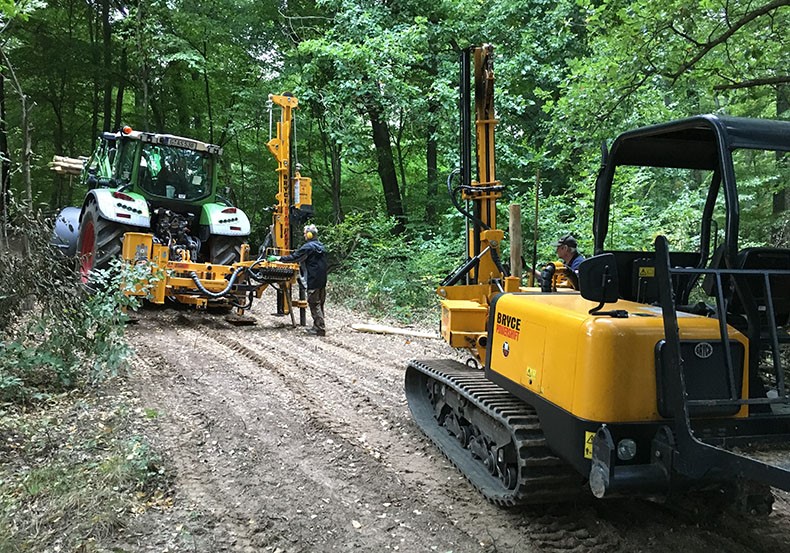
[531, 372]
[649, 272]
[588, 444]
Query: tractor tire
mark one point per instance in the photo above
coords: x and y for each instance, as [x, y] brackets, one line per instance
[99, 242]
[225, 250]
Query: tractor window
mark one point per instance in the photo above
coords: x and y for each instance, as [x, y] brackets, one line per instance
[125, 161]
[175, 173]
[100, 163]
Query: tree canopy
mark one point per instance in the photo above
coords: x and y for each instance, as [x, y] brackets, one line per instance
[376, 80]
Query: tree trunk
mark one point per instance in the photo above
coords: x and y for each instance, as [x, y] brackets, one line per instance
[27, 151]
[331, 152]
[386, 164]
[93, 23]
[58, 140]
[141, 50]
[432, 165]
[107, 55]
[401, 165]
[121, 87]
[207, 86]
[337, 206]
[5, 169]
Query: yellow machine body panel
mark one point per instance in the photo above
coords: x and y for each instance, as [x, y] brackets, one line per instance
[302, 191]
[597, 368]
[465, 315]
[462, 321]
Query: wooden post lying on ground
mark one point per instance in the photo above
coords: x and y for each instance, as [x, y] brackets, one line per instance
[382, 329]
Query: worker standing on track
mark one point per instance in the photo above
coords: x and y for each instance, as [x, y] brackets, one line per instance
[312, 256]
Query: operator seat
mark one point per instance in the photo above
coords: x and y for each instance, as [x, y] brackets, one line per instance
[765, 259]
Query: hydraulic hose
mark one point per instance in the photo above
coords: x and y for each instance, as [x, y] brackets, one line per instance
[452, 192]
[498, 262]
[245, 306]
[224, 292]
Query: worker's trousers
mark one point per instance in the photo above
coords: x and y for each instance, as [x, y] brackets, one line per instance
[315, 299]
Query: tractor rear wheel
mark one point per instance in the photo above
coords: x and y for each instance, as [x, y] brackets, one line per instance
[99, 241]
[225, 250]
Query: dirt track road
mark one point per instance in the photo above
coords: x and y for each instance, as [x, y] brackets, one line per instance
[285, 442]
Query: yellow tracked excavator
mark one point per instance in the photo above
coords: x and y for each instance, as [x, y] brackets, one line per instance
[679, 385]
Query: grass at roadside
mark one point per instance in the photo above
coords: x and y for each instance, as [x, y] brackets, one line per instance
[75, 470]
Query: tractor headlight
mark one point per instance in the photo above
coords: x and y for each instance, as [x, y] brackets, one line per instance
[626, 449]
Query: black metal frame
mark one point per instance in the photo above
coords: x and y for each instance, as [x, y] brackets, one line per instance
[697, 450]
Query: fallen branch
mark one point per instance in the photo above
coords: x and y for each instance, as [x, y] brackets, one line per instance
[382, 329]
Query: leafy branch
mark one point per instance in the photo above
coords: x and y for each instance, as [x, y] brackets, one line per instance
[706, 47]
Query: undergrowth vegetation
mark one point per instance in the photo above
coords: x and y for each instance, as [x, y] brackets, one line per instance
[74, 470]
[73, 461]
[377, 271]
[54, 335]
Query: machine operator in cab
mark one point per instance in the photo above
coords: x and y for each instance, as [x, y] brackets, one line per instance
[567, 251]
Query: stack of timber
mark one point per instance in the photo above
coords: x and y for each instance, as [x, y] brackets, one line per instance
[63, 165]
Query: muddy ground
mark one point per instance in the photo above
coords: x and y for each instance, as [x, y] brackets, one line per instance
[283, 442]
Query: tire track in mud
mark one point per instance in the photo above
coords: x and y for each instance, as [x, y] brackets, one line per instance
[199, 482]
[486, 524]
[314, 374]
[383, 488]
[550, 533]
[209, 488]
[293, 382]
[334, 362]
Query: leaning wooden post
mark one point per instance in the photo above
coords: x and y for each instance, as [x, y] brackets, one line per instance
[514, 280]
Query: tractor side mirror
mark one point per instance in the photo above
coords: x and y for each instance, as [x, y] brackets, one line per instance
[598, 282]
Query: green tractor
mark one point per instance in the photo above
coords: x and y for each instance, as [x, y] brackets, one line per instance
[156, 184]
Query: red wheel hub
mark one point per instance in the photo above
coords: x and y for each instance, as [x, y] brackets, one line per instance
[87, 251]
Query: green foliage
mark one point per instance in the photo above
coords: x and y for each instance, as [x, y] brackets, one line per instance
[569, 74]
[653, 61]
[55, 336]
[382, 273]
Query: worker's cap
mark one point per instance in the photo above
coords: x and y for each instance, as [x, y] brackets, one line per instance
[312, 229]
[567, 240]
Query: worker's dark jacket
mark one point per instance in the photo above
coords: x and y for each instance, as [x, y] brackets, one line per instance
[312, 256]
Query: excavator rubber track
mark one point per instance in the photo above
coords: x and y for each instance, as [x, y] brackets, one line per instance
[459, 409]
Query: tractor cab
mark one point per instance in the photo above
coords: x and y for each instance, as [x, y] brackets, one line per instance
[702, 175]
[169, 171]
